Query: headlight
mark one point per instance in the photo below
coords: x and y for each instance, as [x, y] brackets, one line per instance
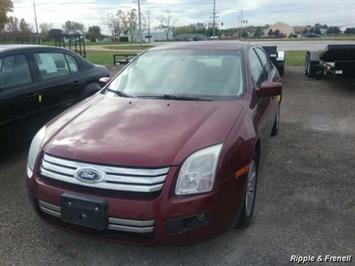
[198, 172]
[35, 149]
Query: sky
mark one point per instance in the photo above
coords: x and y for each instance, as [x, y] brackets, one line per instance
[257, 12]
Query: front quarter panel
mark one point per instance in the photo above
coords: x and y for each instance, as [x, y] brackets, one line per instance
[239, 147]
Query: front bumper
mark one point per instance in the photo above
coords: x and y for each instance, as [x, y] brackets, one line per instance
[147, 219]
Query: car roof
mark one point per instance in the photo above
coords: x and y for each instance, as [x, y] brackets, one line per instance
[207, 45]
[15, 47]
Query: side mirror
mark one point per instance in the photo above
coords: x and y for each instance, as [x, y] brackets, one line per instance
[104, 80]
[269, 89]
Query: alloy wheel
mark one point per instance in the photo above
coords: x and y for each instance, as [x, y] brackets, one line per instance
[251, 189]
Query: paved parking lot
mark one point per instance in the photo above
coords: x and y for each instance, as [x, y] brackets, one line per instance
[305, 202]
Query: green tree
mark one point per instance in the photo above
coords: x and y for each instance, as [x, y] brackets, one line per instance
[114, 23]
[25, 29]
[317, 31]
[54, 34]
[258, 33]
[6, 6]
[73, 27]
[333, 30]
[132, 23]
[349, 31]
[271, 33]
[245, 34]
[278, 34]
[12, 25]
[94, 33]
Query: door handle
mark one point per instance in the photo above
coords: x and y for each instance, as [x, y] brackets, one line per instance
[77, 84]
[30, 95]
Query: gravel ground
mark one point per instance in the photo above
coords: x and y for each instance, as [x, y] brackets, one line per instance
[305, 202]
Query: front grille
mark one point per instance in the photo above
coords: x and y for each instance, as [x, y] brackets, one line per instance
[114, 178]
[115, 224]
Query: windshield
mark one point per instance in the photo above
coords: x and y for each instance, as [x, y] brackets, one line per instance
[198, 74]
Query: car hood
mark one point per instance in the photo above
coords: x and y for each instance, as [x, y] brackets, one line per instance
[139, 132]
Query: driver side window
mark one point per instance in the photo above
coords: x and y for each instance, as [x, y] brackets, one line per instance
[257, 70]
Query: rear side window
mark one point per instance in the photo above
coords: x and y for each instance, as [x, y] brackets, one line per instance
[257, 70]
[264, 60]
[14, 71]
[73, 64]
[51, 65]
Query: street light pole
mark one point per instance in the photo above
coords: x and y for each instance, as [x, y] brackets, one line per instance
[214, 19]
[140, 22]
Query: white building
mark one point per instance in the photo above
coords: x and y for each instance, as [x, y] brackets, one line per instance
[282, 27]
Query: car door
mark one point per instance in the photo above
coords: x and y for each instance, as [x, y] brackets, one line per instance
[272, 75]
[261, 115]
[61, 79]
[17, 88]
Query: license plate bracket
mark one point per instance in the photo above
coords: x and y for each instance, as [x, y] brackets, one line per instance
[84, 211]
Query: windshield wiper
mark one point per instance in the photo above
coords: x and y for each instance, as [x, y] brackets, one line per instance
[120, 93]
[175, 97]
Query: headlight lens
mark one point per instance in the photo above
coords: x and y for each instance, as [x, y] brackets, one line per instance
[35, 148]
[198, 172]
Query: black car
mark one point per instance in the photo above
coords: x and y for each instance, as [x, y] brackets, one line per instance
[42, 80]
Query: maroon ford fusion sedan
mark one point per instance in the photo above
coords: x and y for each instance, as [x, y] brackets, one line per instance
[167, 153]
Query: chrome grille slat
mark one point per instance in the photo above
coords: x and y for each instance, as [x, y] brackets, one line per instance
[140, 230]
[138, 180]
[107, 169]
[114, 178]
[49, 208]
[131, 222]
[116, 224]
[58, 169]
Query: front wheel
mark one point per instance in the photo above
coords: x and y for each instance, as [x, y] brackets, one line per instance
[247, 212]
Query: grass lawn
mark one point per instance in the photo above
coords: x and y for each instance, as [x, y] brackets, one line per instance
[102, 57]
[295, 58]
[128, 47]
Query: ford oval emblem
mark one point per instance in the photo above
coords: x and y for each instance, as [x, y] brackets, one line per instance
[88, 175]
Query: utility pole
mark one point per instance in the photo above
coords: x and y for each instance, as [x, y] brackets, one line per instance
[167, 37]
[238, 32]
[148, 24]
[214, 18]
[241, 24]
[140, 22]
[36, 22]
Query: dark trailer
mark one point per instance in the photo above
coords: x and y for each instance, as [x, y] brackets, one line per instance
[335, 60]
[277, 58]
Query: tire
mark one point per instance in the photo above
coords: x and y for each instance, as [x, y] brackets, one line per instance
[247, 211]
[309, 71]
[281, 69]
[275, 128]
[306, 65]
